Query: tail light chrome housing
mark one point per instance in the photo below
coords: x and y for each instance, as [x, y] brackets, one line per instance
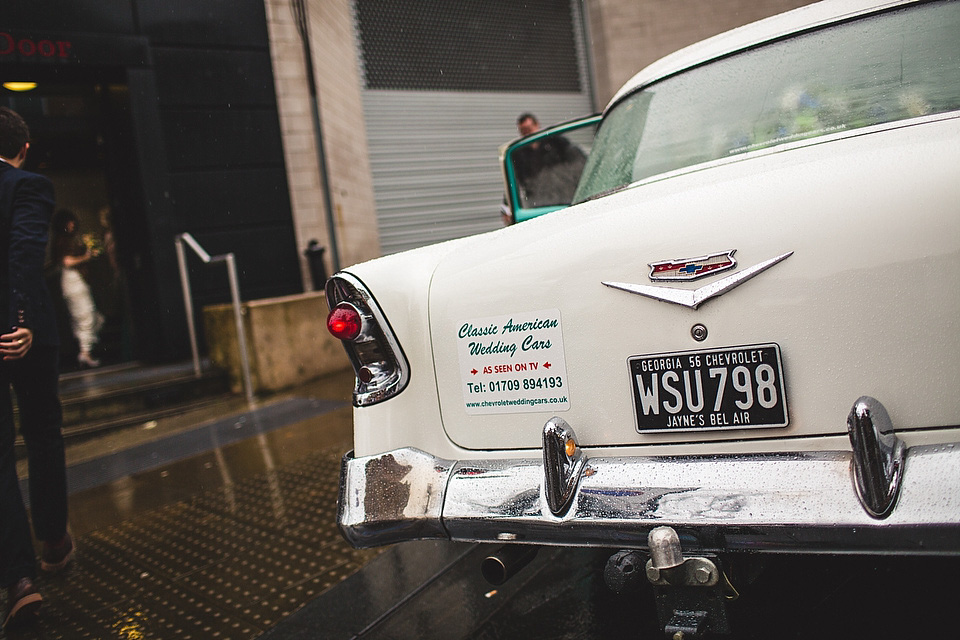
[379, 363]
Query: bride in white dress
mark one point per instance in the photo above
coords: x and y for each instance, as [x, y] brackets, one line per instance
[71, 254]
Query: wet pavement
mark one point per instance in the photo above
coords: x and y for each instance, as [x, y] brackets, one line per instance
[216, 523]
[220, 522]
[433, 589]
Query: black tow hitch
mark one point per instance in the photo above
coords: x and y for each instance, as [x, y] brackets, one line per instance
[691, 593]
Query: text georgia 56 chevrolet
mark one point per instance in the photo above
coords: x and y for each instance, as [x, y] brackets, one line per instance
[741, 338]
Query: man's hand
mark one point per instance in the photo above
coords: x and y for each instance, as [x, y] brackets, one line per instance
[15, 345]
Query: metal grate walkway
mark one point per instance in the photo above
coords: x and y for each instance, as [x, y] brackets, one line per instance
[243, 535]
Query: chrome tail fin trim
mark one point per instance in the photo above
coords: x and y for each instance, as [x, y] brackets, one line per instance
[563, 462]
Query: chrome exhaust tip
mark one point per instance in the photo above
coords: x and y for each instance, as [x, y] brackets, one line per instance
[506, 561]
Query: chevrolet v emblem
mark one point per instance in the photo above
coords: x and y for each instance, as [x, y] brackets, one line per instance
[695, 297]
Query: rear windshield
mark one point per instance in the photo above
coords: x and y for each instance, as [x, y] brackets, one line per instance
[892, 66]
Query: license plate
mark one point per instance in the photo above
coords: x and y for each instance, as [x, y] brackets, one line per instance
[729, 388]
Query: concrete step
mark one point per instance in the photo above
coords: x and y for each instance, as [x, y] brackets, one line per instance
[111, 397]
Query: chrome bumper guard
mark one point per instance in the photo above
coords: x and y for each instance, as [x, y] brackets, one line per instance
[799, 502]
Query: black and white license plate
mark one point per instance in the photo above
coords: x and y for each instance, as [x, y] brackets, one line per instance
[729, 388]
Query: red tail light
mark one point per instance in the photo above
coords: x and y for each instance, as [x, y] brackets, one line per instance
[344, 321]
[357, 320]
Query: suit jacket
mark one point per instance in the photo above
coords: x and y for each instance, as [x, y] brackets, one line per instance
[26, 206]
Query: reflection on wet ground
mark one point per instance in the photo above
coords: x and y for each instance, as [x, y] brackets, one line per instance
[217, 529]
[433, 589]
[221, 524]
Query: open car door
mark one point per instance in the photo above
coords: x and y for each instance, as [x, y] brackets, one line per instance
[541, 170]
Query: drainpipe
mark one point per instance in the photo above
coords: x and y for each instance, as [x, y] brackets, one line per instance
[584, 42]
[300, 17]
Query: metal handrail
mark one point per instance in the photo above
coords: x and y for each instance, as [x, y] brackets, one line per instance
[189, 240]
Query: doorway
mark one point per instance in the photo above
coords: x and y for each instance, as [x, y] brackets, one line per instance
[81, 138]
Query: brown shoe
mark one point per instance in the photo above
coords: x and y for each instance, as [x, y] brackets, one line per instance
[54, 557]
[23, 603]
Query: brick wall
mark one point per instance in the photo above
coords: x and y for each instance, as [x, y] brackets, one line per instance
[344, 135]
[627, 35]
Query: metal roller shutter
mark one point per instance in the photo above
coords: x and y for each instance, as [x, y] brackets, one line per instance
[444, 84]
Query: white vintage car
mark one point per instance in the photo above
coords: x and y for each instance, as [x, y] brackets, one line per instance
[741, 337]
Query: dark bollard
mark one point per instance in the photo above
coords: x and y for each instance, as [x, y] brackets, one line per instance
[318, 271]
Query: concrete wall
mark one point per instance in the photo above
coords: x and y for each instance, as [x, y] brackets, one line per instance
[627, 35]
[337, 74]
[287, 341]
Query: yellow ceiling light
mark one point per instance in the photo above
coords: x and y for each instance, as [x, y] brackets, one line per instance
[20, 86]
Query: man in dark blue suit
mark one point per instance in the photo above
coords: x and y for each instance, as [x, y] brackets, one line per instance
[29, 351]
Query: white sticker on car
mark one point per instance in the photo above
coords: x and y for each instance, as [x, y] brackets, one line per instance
[513, 363]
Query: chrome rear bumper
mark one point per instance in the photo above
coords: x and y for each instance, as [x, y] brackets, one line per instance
[799, 502]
